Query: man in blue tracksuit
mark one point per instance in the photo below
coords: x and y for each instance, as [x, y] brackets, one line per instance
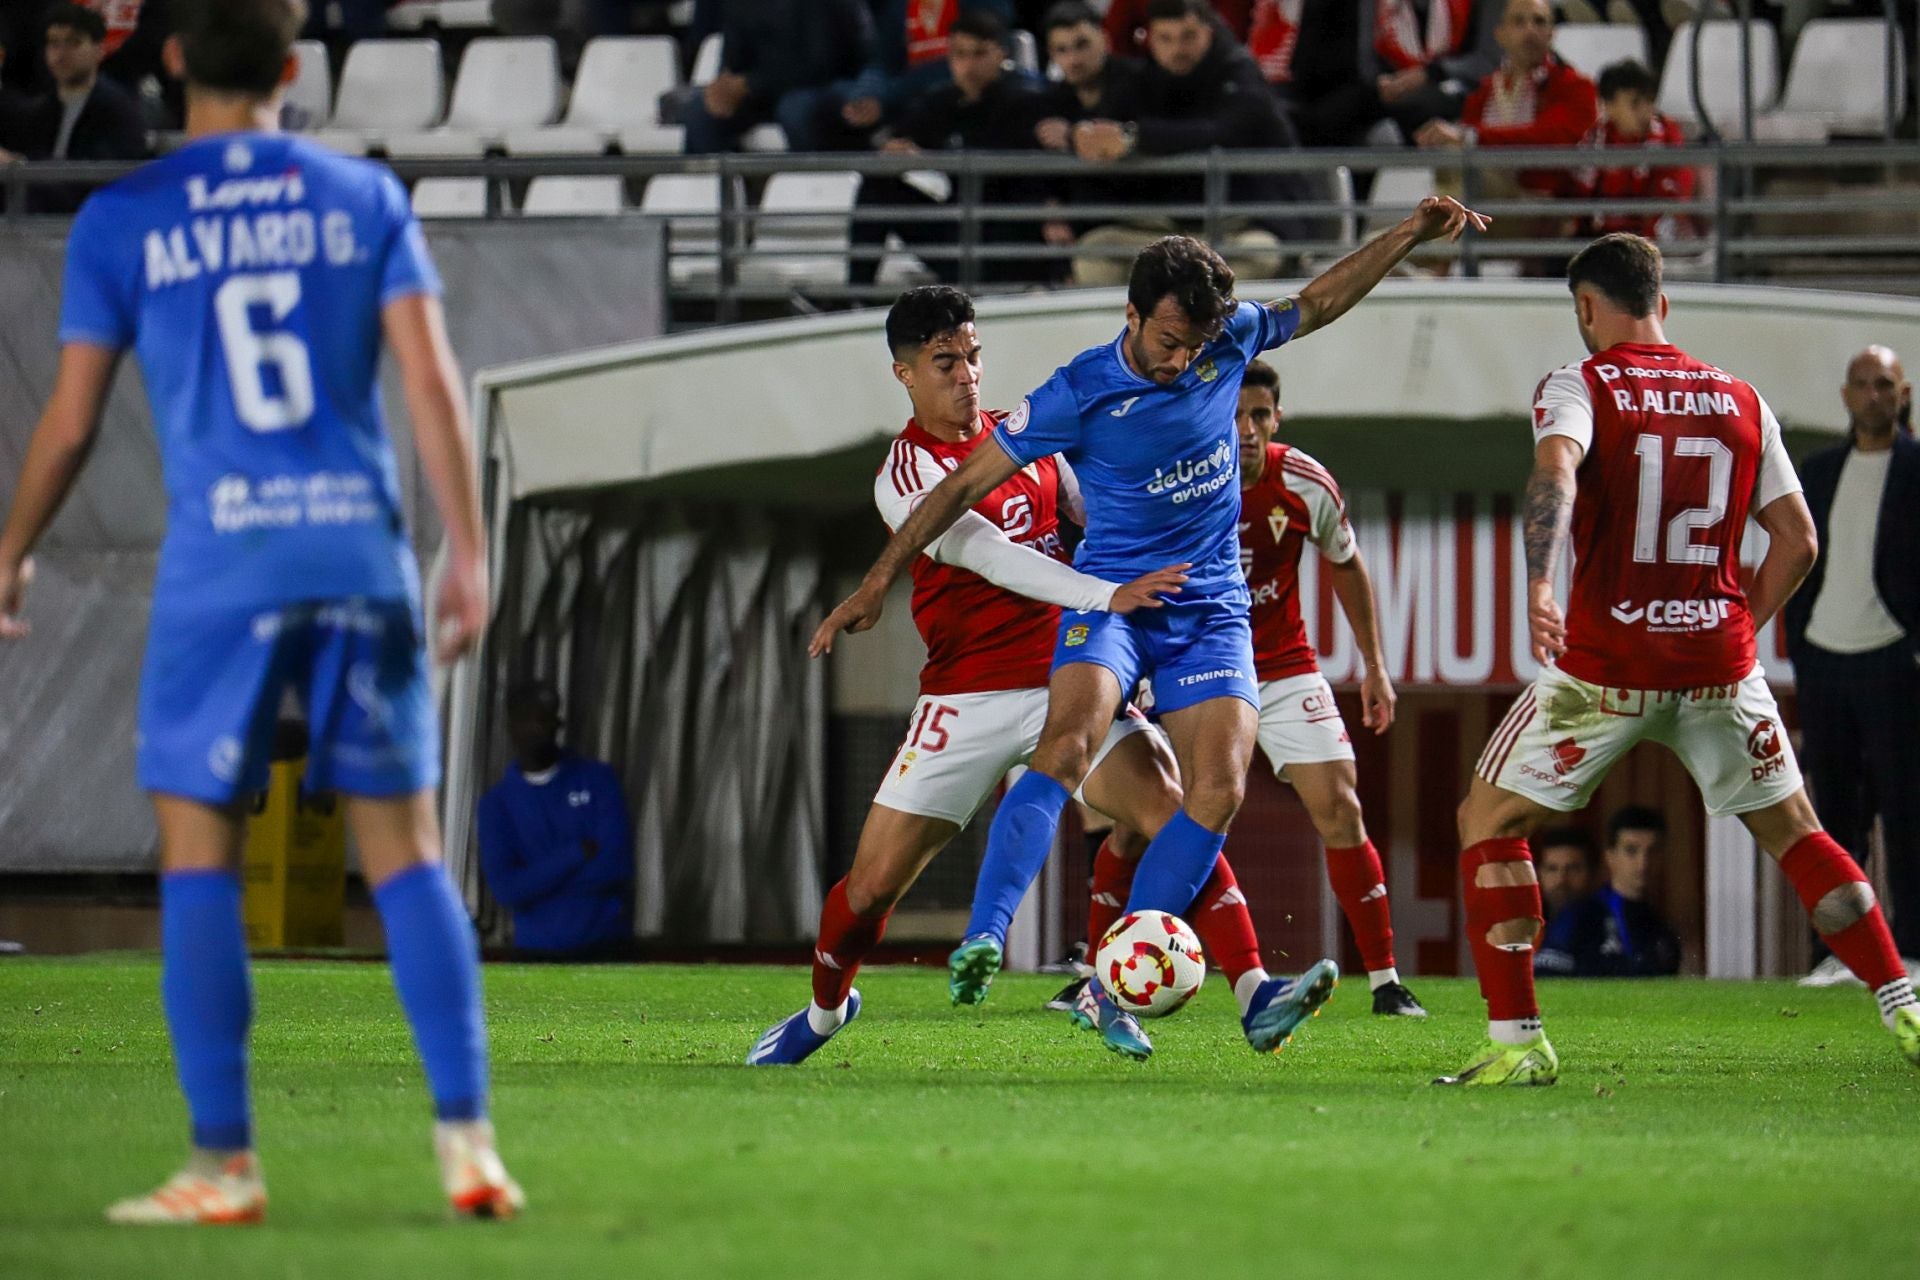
[555, 839]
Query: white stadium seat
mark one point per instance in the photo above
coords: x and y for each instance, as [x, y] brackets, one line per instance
[689, 203]
[810, 239]
[504, 83]
[450, 198]
[616, 92]
[573, 197]
[1395, 191]
[1837, 83]
[706, 61]
[311, 94]
[386, 87]
[1719, 44]
[1592, 47]
[1026, 51]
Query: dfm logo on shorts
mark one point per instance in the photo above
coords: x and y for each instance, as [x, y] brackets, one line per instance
[1674, 615]
[1763, 744]
[1193, 478]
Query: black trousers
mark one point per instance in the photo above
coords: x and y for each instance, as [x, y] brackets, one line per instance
[1860, 752]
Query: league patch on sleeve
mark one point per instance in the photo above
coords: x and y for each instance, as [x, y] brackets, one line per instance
[1017, 420]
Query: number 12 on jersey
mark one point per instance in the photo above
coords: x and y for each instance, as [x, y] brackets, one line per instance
[1680, 546]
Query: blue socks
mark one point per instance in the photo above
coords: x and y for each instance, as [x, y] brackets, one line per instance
[1175, 865]
[436, 969]
[208, 998]
[1017, 846]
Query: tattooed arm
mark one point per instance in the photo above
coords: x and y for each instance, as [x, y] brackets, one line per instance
[1547, 513]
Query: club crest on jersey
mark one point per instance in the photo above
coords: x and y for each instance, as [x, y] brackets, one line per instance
[1208, 371]
[1017, 420]
[1076, 636]
[906, 763]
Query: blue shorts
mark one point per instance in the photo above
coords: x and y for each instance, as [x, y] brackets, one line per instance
[215, 681]
[1192, 650]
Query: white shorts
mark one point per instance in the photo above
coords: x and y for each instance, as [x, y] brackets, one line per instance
[959, 746]
[1563, 735]
[1300, 723]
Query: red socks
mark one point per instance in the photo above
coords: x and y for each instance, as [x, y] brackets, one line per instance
[1816, 867]
[1361, 886]
[1112, 883]
[1219, 915]
[1506, 972]
[844, 941]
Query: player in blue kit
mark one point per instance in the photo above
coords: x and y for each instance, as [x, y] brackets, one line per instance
[1147, 423]
[255, 277]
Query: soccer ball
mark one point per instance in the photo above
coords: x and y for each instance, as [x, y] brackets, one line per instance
[1150, 963]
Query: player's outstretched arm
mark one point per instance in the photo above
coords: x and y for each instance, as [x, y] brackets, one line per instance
[54, 457]
[1546, 514]
[984, 471]
[416, 331]
[1353, 587]
[1792, 546]
[1334, 291]
[978, 544]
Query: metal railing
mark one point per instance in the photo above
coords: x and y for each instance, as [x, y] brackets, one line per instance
[1854, 210]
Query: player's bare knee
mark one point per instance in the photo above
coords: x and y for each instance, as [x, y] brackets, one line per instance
[1340, 822]
[1067, 759]
[871, 895]
[1214, 802]
[1514, 935]
[1843, 906]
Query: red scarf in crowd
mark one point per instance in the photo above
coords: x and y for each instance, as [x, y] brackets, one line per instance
[928, 22]
[1274, 33]
[1397, 37]
[121, 17]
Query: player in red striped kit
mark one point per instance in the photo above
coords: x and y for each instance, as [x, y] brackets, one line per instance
[1288, 500]
[986, 599]
[1656, 459]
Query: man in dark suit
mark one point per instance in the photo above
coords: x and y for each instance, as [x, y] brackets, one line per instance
[86, 117]
[1853, 631]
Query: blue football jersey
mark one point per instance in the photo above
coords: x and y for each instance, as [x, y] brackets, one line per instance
[1158, 466]
[248, 272]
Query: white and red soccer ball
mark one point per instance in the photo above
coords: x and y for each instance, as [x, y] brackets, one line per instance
[1150, 963]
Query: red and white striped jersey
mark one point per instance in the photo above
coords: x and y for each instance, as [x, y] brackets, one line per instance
[1294, 502]
[1677, 455]
[980, 638]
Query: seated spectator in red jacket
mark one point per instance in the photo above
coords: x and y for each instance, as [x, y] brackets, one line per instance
[1126, 22]
[1531, 100]
[1627, 93]
[1423, 57]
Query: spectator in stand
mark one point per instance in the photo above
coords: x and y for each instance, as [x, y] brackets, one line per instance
[778, 61]
[1628, 119]
[555, 841]
[910, 58]
[1309, 51]
[1616, 933]
[1853, 630]
[1200, 90]
[984, 106]
[1126, 22]
[1532, 99]
[13, 109]
[1091, 83]
[1564, 858]
[86, 117]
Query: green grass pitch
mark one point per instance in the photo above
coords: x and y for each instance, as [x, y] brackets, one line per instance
[1728, 1130]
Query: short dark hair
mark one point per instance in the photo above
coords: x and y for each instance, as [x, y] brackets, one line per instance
[1261, 374]
[238, 46]
[982, 24]
[1623, 266]
[1567, 838]
[1194, 276]
[1068, 13]
[1627, 76]
[1635, 817]
[1165, 10]
[920, 315]
[531, 693]
[76, 17]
